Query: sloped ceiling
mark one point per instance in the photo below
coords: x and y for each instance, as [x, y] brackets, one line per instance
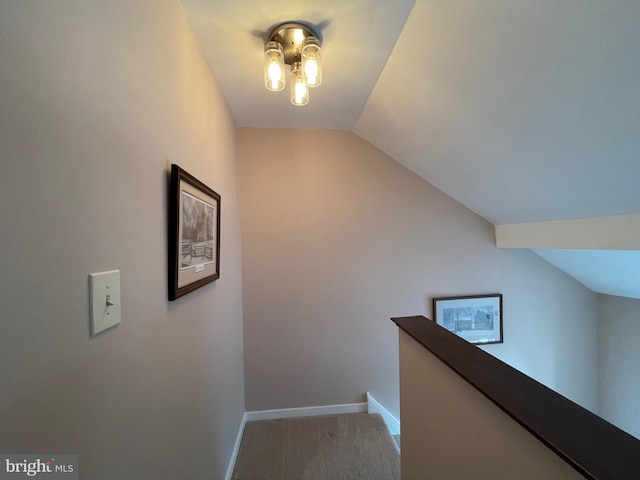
[523, 111]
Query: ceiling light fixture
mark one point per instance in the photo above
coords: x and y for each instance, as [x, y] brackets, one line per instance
[299, 46]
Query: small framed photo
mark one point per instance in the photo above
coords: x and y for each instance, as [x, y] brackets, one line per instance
[194, 233]
[476, 318]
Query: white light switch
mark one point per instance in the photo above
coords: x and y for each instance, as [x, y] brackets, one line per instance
[104, 295]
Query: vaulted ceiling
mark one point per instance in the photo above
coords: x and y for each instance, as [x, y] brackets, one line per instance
[524, 111]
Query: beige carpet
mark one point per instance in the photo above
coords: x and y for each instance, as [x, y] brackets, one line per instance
[331, 447]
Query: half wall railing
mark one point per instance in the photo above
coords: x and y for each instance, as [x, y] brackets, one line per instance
[466, 414]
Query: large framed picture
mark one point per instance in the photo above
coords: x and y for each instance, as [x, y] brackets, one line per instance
[194, 233]
[476, 318]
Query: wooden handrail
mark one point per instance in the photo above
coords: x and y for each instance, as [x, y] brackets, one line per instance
[594, 447]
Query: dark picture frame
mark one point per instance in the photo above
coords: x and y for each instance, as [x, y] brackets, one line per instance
[476, 318]
[194, 233]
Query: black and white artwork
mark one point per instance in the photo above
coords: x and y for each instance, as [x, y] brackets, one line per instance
[198, 225]
[476, 318]
[194, 233]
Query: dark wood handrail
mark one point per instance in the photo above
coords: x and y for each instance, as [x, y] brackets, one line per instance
[594, 447]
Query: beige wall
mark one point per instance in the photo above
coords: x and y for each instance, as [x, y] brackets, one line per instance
[618, 360]
[96, 100]
[338, 238]
[451, 430]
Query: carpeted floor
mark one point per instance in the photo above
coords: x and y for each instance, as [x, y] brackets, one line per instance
[331, 447]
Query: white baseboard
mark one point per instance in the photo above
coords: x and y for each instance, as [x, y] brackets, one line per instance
[306, 411]
[373, 406]
[236, 448]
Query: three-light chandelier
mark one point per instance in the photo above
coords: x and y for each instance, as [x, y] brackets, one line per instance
[298, 46]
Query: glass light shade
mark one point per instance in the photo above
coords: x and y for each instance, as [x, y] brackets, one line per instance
[299, 90]
[273, 67]
[312, 61]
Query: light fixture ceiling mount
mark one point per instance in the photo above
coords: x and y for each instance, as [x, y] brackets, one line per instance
[291, 36]
[299, 46]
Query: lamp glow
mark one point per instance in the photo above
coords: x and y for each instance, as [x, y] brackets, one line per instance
[275, 74]
[273, 67]
[298, 35]
[312, 61]
[299, 91]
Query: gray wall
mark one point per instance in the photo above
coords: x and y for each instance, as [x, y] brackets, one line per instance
[618, 360]
[96, 100]
[338, 238]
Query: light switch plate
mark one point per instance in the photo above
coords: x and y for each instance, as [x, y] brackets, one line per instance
[104, 295]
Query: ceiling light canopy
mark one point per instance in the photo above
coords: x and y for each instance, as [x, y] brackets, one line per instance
[297, 45]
